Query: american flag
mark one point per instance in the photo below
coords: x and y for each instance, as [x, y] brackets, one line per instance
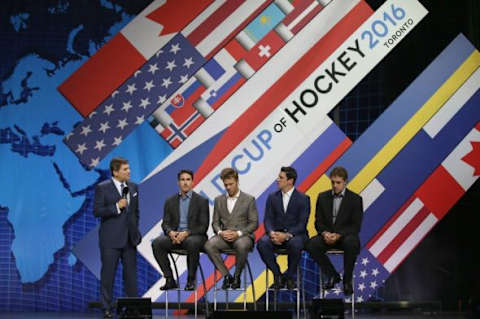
[128, 106]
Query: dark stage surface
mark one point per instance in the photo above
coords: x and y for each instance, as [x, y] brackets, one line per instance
[51, 315]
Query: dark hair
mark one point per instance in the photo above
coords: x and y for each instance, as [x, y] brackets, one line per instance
[340, 172]
[116, 163]
[185, 171]
[290, 172]
[228, 173]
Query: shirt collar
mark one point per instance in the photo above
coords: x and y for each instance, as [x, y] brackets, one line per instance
[117, 182]
[342, 193]
[289, 193]
[188, 194]
[234, 196]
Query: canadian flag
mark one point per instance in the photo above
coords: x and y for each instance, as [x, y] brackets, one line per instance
[454, 176]
[127, 51]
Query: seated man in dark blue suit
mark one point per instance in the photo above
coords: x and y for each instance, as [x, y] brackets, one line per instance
[116, 203]
[286, 217]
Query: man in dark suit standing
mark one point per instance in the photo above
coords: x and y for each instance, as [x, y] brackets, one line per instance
[185, 223]
[235, 218]
[116, 203]
[338, 219]
[286, 217]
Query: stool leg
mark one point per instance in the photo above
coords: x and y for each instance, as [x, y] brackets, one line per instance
[267, 290]
[205, 294]
[196, 303]
[302, 283]
[298, 291]
[353, 298]
[226, 299]
[244, 290]
[253, 286]
[214, 289]
[166, 303]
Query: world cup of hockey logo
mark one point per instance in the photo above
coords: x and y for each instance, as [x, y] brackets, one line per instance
[177, 101]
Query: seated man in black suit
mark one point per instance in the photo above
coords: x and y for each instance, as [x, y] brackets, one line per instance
[185, 223]
[338, 218]
[286, 217]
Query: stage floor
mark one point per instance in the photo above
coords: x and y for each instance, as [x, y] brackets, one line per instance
[50, 315]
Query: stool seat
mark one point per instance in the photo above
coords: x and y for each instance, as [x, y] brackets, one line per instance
[338, 251]
[184, 252]
[299, 290]
[233, 252]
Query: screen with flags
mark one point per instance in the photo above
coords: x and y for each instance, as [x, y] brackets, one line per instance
[209, 84]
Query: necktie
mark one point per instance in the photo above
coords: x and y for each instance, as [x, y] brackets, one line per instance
[337, 199]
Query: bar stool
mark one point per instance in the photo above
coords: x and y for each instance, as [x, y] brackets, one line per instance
[184, 252]
[232, 252]
[333, 252]
[284, 251]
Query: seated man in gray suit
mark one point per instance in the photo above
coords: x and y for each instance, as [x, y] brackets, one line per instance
[235, 218]
[185, 223]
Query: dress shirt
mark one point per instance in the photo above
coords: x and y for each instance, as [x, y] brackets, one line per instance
[337, 201]
[118, 186]
[184, 204]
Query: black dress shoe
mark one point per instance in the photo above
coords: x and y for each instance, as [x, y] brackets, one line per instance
[330, 282]
[347, 288]
[227, 282]
[169, 284]
[236, 282]
[291, 283]
[190, 284]
[107, 314]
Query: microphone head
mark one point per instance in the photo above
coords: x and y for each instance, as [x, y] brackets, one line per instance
[125, 192]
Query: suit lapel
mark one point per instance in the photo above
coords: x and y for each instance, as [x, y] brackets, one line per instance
[190, 207]
[237, 204]
[114, 190]
[223, 207]
[329, 207]
[279, 197]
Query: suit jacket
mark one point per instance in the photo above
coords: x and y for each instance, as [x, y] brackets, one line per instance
[116, 229]
[244, 216]
[349, 217]
[198, 215]
[294, 221]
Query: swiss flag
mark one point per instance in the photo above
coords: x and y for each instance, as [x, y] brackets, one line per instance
[127, 51]
[264, 50]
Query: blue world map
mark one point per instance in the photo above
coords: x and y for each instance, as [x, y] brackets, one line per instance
[46, 197]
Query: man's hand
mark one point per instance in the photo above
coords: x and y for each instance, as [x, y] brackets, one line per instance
[278, 238]
[173, 236]
[330, 238]
[182, 236]
[229, 235]
[122, 203]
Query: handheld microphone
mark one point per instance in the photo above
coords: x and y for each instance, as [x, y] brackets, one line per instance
[125, 192]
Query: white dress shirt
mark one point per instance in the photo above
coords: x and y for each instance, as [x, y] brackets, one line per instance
[118, 186]
[286, 199]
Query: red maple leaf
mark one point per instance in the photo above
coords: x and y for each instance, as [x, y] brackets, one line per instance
[175, 14]
[473, 158]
